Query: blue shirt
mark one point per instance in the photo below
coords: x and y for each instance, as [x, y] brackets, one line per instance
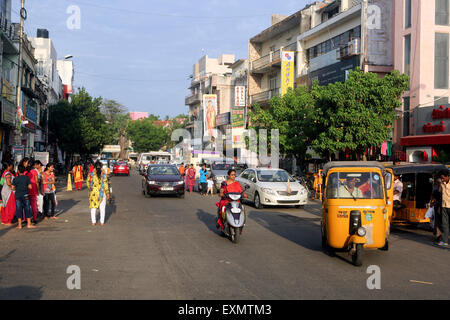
[203, 176]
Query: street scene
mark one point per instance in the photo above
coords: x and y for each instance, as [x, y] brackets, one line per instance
[228, 152]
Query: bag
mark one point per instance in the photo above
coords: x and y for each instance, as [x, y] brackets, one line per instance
[430, 213]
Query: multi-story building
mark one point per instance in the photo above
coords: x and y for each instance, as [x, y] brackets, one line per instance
[138, 115]
[210, 76]
[265, 50]
[8, 77]
[66, 72]
[421, 32]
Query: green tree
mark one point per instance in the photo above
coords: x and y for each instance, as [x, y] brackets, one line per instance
[145, 136]
[357, 113]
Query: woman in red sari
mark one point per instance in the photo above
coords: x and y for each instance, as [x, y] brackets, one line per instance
[77, 172]
[227, 186]
[9, 201]
[190, 178]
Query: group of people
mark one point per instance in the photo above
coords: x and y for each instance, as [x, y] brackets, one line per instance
[441, 202]
[205, 180]
[27, 192]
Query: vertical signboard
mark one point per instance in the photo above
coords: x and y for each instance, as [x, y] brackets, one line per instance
[379, 32]
[287, 71]
[239, 96]
[209, 114]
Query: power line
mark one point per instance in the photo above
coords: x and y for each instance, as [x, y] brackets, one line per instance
[173, 15]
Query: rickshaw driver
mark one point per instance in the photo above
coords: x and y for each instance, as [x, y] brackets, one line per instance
[349, 190]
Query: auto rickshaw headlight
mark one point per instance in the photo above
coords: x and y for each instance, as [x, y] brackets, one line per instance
[361, 231]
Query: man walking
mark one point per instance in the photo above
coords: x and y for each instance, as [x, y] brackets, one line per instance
[445, 190]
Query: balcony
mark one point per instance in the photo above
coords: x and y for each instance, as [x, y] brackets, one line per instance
[8, 34]
[193, 99]
[264, 97]
[273, 59]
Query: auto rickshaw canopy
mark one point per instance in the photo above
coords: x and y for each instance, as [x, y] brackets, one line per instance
[353, 164]
[418, 168]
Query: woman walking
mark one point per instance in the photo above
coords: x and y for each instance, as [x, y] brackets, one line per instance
[40, 197]
[190, 178]
[9, 201]
[77, 172]
[99, 193]
[202, 181]
[33, 174]
[49, 191]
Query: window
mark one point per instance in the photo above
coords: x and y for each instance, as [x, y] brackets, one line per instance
[438, 101]
[251, 176]
[407, 14]
[441, 61]
[273, 83]
[441, 12]
[406, 108]
[356, 185]
[407, 60]
[272, 48]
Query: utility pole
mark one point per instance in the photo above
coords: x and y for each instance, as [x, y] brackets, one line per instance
[23, 16]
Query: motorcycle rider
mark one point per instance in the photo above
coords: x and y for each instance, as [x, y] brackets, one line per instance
[230, 185]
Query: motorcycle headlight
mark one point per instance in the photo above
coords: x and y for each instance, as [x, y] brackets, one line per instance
[235, 197]
[361, 231]
[268, 191]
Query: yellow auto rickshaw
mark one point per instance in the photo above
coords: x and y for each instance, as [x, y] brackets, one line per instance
[418, 183]
[356, 207]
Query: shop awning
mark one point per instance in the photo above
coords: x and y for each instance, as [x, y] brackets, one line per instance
[426, 140]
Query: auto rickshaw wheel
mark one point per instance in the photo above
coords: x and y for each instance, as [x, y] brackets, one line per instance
[357, 257]
[326, 248]
[386, 246]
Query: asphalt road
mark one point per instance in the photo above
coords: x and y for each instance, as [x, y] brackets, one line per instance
[169, 248]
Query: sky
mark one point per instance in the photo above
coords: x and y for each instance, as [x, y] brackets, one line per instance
[141, 52]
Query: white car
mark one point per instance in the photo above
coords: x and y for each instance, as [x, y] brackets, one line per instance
[270, 187]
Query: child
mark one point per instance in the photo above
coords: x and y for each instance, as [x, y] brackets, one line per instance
[210, 186]
[22, 185]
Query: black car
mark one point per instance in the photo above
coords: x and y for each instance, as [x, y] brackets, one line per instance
[162, 179]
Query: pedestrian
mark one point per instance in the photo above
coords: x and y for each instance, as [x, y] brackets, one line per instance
[202, 181]
[190, 178]
[9, 201]
[398, 190]
[186, 168]
[181, 169]
[33, 174]
[49, 191]
[436, 202]
[99, 193]
[22, 185]
[77, 172]
[210, 186]
[40, 197]
[445, 210]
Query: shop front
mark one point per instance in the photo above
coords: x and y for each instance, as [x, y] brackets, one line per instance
[431, 139]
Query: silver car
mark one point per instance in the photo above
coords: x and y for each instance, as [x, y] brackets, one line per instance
[272, 187]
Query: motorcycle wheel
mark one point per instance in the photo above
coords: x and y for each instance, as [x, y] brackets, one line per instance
[235, 235]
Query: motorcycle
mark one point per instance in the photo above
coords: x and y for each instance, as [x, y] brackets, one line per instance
[233, 216]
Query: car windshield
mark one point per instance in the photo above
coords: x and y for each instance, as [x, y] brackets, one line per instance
[354, 185]
[163, 170]
[274, 176]
[221, 166]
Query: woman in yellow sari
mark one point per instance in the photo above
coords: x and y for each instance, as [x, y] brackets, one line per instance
[77, 172]
[99, 193]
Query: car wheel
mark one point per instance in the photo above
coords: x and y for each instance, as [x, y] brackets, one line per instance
[300, 206]
[257, 201]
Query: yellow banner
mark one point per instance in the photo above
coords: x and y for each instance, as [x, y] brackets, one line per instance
[287, 71]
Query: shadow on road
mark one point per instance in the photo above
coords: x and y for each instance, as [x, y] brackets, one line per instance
[110, 210]
[6, 229]
[302, 231]
[411, 233]
[66, 204]
[21, 293]
[208, 219]
[6, 256]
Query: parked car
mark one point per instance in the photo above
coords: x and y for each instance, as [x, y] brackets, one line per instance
[121, 167]
[270, 187]
[162, 179]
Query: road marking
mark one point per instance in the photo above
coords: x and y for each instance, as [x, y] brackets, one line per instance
[423, 282]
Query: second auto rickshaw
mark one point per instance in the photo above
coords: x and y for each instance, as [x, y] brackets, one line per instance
[356, 207]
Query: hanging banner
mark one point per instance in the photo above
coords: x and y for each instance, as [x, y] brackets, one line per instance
[209, 114]
[239, 96]
[287, 71]
[237, 117]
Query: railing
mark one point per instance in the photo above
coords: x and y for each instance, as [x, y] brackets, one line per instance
[264, 96]
[6, 27]
[193, 99]
[272, 57]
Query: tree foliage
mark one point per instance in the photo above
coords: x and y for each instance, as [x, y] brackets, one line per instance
[79, 126]
[117, 118]
[146, 136]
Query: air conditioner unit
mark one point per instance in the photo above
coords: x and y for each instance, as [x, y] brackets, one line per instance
[349, 50]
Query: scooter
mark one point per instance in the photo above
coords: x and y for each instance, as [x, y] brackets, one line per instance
[233, 216]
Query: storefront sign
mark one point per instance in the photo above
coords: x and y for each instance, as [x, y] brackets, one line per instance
[287, 71]
[441, 113]
[239, 96]
[8, 112]
[223, 119]
[31, 111]
[432, 120]
[430, 128]
[237, 117]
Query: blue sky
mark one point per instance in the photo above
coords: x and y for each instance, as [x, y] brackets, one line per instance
[141, 52]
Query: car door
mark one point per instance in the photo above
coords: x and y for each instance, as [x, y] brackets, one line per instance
[252, 184]
[243, 180]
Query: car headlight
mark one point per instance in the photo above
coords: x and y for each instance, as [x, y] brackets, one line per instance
[361, 231]
[302, 191]
[268, 191]
[178, 183]
[152, 182]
